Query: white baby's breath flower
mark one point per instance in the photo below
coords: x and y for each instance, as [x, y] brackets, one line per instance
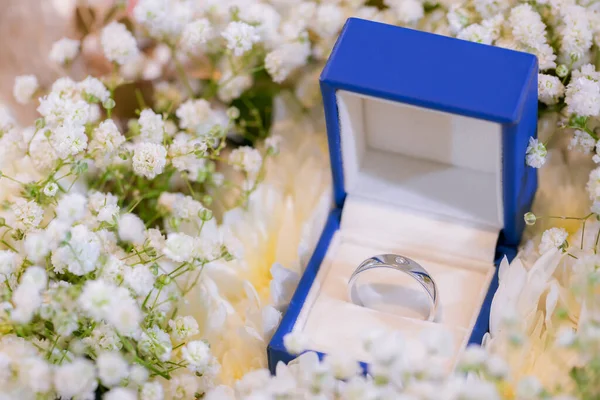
[477, 33]
[103, 339]
[7, 121]
[149, 159]
[26, 300]
[184, 152]
[38, 376]
[106, 138]
[489, 8]
[187, 208]
[50, 189]
[180, 247]
[529, 31]
[553, 238]
[164, 19]
[407, 11]
[24, 88]
[195, 36]
[265, 18]
[473, 357]
[183, 327]
[536, 153]
[197, 356]
[139, 279]
[232, 86]
[550, 89]
[529, 388]
[97, 298]
[66, 88]
[132, 229]
[104, 301]
[196, 116]
[75, 379]
[247, 159]
[586, 71]
[64, 51]
[156, 342]
[152, 391]
[69, 140]
[95, 89]
[36, 246]
[328, 20]
[152, 126]
[582, 141]
[240, 37]
[58, 110]
[80, 254]
[497, 367]
[71, 207]
[108, 213]
[120, 393]
[183, 386]
[459, 17]
[593, 185]
[28, 214]
[576, 33]
[35, 277]
[118, 43]
[9, 261]
[280, 62]
[343, 366]
[138, 374]
[112, 368]
[583, 97]
[295, 342]
[273, 143]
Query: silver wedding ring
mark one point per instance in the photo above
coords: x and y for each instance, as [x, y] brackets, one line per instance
[402, 264]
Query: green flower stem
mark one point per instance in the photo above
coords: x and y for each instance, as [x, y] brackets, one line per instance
[177, 269]
[190, 188]
[182, 74]
[156, 298]
[140, 98]
[154, 218]
[181, 272]
[195, 282]
[8, 245]
[151, 367]
[11, 179]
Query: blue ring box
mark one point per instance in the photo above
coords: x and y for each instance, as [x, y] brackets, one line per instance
[427, 137]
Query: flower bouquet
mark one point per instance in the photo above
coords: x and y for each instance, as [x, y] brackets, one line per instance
[155, 217]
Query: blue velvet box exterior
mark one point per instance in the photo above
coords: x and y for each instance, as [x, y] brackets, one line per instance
[442, 74]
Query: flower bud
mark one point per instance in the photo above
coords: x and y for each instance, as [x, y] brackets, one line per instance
[163, 280]
[40, 123]
[109, 104]
[205, 214]
[202, 175]
[562, 70]
[233, 113]
[530, 218]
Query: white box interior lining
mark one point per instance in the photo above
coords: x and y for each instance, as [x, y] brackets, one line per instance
[439, 163]
[334, 324]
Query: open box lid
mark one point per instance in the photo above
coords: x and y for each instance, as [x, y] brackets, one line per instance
[431, 123]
